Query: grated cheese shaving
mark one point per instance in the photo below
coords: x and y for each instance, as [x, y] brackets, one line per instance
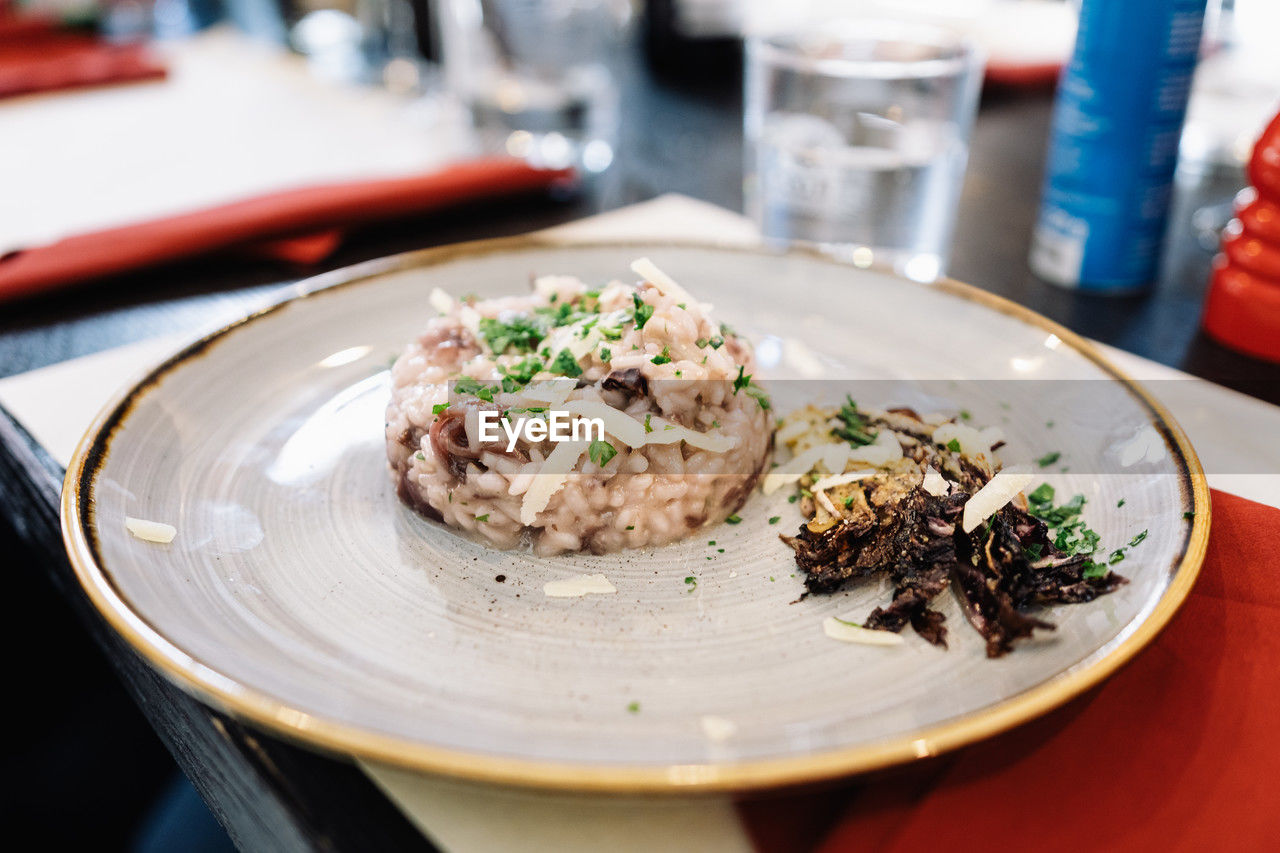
[150, 531]
[839, 629]
[832, 456]
[552, 391]
[576, 587]
[987, 501]
[470, 319]
[972, 442]
[821, 497]
[841, 479]
[666, 285]
[885, 450]
[668, 433]
[934, 483]
[718, 729]
[440, 300]
[549, 479]
[546, 286]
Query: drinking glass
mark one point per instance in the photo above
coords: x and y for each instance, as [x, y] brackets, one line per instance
[857, 139]
[537, 75]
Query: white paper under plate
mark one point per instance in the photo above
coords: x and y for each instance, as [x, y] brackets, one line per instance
[300, 594]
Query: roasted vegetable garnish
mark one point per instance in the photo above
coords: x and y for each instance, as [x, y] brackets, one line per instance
[900, 516]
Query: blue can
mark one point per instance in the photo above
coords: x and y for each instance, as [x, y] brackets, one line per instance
[1114, 144]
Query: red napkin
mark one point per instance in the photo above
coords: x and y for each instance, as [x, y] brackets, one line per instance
[302, 225]
[1180, 750]
[37, 55]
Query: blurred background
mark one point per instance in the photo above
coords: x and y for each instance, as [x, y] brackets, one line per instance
[120, 112]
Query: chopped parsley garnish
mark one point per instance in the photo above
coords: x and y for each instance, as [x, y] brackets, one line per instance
[848, 502]
[1093, 571]
[966, 415]
[419, 456]
[601, 452]
[643, 311]
[606, 355]
[775, 519]
[1067, 529]
[1116, 556]
[633, 707]
[474, 387]
[484, 517]
[1033, 551]
[733, 519]
[1135, 540]
[565, 363]
[611, 333]
[1188, 515]
[715, 425]
[520, 374]
[631, 527]
[647, 426]
[853, 428]
[663, 357]
[1048, 459]
[1043, 494]
[692, 582]
[954, 445]
[793, 499]
[439, 408]
[559, 315]
[1119, 503]
[521, 334]
[714, 342]
[711, 543]
[743, 381]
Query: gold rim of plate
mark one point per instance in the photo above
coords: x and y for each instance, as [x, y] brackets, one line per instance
[225, 694]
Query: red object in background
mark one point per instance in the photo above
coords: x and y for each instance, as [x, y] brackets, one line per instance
[38, 55]
[1176, 751]
[1242, 310]
[300, 226]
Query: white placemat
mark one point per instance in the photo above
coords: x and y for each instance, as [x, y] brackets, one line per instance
[1231, 431]
[235, 118]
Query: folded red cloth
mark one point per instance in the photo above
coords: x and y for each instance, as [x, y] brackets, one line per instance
[282, 224]
[37, 55]
[1177, 751]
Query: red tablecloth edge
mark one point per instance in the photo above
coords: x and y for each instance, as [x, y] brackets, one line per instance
[1178, 750]
[301, 225]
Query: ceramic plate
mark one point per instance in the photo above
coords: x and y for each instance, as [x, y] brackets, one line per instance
[300, 595]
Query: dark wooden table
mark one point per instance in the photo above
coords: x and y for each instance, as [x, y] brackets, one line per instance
[274, 796]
